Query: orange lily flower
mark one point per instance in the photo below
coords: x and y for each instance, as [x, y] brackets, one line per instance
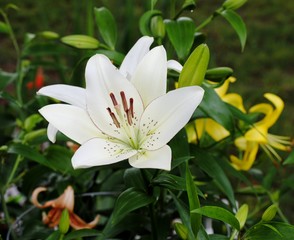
[39, 80]
[64, 201]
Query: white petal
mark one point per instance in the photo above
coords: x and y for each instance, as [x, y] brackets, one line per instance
[166, 115]
[135, 55]
[51, 132]
[150, 75]
[158, 159]
[74, 122]
[174, 65]
[97, 152]
[102, 79]
[65, 93]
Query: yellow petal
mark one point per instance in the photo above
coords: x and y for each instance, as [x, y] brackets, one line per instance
[257, 134]
[248, 157]
[216, 130]
[235, 100]
[265, 108]
[191, 132]
[222, 90]
[241, 143]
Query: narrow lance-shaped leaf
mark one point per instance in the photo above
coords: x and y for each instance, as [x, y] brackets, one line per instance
[219, 214]
[237, 23]
[193, 201]
[194, 69]
[106, 26]
[129, 200]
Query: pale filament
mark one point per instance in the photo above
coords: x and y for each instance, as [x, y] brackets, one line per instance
[129, 111]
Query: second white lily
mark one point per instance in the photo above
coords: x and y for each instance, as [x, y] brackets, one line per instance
[123, 114]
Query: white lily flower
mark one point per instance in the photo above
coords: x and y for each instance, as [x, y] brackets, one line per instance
[123, 113]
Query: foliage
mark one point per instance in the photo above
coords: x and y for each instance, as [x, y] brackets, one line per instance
[204, 196]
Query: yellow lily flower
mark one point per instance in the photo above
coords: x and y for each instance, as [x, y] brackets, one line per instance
[64, 201]
[258, 135]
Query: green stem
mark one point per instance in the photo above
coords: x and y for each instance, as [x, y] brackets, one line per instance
[14, 169]
[153, 222]
[17, 50]
[90, 23]
[208, 20]
[6, 213]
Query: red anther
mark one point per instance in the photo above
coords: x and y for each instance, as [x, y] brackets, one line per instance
[113, 99]
[114, 119]
[124, 101]
[132, 107]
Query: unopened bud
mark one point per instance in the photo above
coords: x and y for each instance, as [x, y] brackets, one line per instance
[269, 213]
[157, 27]
[233, 4]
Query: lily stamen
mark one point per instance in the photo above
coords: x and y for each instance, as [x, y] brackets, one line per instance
[113, 99]
[114, 119]
[124, 101]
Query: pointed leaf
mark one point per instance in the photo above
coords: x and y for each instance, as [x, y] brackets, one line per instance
[237, 23]
[170, 181]
[212, 167]
[181, 35]
[4, 28]
[289, 159]
[128, 201]
[82, 233]
[219, 214]
[195, 67]
[106, 25]
[216, 109]
[184, 215]
[133, 178]
[193, 201]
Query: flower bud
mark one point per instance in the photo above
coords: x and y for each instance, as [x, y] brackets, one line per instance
[241, 215]
[64, 221]
[81, 41]
[157, 27]
[181, 230]
[269, 213]
[233, 4]
[218, 74]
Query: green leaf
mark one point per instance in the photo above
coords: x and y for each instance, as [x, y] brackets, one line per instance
[170, 181]
[219, 214]
[270, 230]
[128, 201]
[189, 5]
[133, 178]
[218, 74]
[237, 23]
[28, 152]
[54, 236]
[215, 108]
[31, 121]
[80, 41]
[211, 166]
[106, 26]
[193, 201]
[145, 21]
[184, 215]
[195, 67]
[82, 233]
[181, 230]
[181, 35]
[289, 159]
[6, 78]
[4, 27]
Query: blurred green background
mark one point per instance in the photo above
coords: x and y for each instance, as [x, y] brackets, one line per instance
[264, 66]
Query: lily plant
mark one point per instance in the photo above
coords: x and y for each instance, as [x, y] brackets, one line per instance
[199, 127]
[123, 113]
[64, 201]
[258, 134]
